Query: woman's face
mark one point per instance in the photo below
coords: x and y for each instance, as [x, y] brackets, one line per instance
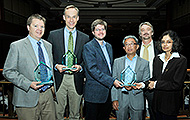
[166, 43]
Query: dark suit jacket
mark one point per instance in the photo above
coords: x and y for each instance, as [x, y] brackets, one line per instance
[56, 37]
[167, 93]
[98, 75]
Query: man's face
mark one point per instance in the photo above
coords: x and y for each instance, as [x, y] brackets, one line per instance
[146, 32]
[36, 29]
[130, 46]
[71, 17]
[99, 32]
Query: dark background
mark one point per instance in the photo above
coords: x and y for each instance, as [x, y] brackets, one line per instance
[123, 18]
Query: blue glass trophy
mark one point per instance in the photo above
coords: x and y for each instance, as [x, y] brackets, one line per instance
[128, 77]
[69, 59]
[43, 73]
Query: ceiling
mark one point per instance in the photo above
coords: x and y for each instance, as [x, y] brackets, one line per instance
[120, 14]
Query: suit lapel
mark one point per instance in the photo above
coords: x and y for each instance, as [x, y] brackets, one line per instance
[29, 49]
[62, 42]
[77, 44]
[48, 52]
[137, 64]
[99, 50]
[109, 50]
[122, 65]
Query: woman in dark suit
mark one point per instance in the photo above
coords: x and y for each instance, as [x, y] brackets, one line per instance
[169, 71]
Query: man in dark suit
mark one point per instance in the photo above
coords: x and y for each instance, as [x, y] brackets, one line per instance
[98, 60]
[148, 51]
[22, 59]
[69, 83]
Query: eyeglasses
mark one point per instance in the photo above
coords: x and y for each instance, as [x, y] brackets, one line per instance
[99, 29]
[130, 44]
[167, 42]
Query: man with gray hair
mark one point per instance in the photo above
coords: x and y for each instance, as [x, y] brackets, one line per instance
[148, 51]
[129, 101]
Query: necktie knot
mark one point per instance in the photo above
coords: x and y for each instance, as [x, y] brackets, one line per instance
[70, 33]
[145, 52]
[146, 46]
[39, 43]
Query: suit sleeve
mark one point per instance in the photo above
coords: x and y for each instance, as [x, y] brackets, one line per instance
[11, 72]
[90, 61]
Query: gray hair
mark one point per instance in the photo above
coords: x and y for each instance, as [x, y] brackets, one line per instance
[145, 23]
[130, 36]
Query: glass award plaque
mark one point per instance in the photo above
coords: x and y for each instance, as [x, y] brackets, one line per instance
[69, 59]
[128, 76]
[43, 73]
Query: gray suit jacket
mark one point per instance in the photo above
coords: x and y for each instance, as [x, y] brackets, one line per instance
[19, 69]
[135, 97]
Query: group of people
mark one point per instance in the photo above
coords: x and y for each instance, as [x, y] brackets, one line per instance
[159, 75]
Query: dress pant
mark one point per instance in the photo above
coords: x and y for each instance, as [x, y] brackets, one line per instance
[126, 110]
[98, 111]
[68, 92]
[149, 94]
[44, 110]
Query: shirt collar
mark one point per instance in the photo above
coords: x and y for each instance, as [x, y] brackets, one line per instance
[151, 43]
[133, 57]
[104, 43]
[33, 40]
[174, 55]
[73, 31]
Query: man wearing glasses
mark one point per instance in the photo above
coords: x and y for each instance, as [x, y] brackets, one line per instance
[128, 101]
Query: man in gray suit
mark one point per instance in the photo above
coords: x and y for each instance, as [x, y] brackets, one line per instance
[22, 59]
[130, 100]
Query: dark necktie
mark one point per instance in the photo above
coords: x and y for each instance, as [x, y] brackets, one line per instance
[43, 69]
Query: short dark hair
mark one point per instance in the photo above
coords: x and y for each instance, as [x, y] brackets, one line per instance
[177, 45]
[96, 22]
[71, 6]
[35, 16]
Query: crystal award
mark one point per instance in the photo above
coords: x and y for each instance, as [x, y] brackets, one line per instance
[69, 58]
[128, 76]
[43, 73]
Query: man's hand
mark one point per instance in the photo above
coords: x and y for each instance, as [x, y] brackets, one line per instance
[35, 85]
[128, 87]
[138, 86]
[60, 67]
[151, 85]
[78, 68]
[115, 105]
[117, 83]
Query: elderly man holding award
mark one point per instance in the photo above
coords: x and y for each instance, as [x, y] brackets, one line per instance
[130, 69]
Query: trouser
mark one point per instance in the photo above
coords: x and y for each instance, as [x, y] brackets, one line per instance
[44, 110]
[67, 91]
